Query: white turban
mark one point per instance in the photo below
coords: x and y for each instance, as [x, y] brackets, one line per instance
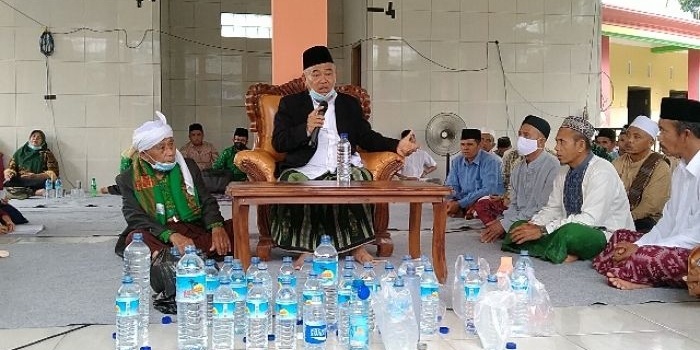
[488, 131]
[647, 125]
[153, 132]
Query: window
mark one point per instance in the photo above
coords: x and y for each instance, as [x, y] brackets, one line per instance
[246, 25]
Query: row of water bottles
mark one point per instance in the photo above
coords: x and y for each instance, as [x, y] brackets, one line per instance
[133, 301]
[55, 189]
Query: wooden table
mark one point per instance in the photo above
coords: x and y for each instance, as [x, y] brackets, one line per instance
[327, 192]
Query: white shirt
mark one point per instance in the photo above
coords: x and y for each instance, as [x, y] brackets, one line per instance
[325, 159]
[605, 200]
[415, 164]
[680, 224]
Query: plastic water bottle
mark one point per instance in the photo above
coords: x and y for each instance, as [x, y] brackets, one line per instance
[403, 334]
[58, 188]
[344, 295]
[191, 302]
[252, 271]
[472, 286]
[127, 306]
[175, 253]
[519, 313]
[286, 308]
[226, 267]
[359, 317]
[287, 271]
[93, 187]
[223, 315]
[429, 302]
[389, 275]
[525, 260]
[405, 262]
[326, 266]
[314, 315]
[239, 286]
[302, 277]
[484, 270]
[137, 264]
[48, 188]
[412, 283]
[212, 278]
[258, 306]
[266, 278]
[349, 264]
[343, 170]
[370, 278]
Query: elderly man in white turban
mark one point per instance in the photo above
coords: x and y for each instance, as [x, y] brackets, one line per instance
[165, 199]
[645, 174]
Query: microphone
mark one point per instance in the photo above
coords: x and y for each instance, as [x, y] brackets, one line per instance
[314, 134]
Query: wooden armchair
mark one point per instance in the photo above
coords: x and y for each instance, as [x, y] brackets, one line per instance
[262, 101]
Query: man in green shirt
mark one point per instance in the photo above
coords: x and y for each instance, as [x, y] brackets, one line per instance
[225, 160]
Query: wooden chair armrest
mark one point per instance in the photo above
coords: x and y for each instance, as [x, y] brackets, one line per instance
[259, 165]
[382, 165]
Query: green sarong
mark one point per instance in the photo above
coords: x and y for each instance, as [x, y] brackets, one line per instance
[582, 241]
[299, 227]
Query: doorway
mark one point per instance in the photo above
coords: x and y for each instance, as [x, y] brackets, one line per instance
[638, 102]
[356, 65]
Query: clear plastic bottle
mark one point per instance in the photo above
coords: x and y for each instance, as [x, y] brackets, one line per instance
[359, 317]
[48, 188]
[127, 307]
[266, 278]
[472, 286]
[405, 262]
[175, 253]
[370, 278]
[302, 277]
[227, 266]
[326, 266]
[287, 271]
[520, 315]
[137, 264]
[430, 300]
[239, 286]
[258, 306]
[212, 277]
[348, 264]
[344, 295]
[525, 259]
[314, 315]
[223, 321]
[403, 334]
[252, 271]
[412, 283]
[286, 308]
[343, 168]
[58, 188]
[491, 285]
[191, 302]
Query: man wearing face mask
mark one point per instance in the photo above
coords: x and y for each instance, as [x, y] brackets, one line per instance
[588, 201]
[225, 160]
[165, 199]
[531, 181]
[307, 128]
[645, 174]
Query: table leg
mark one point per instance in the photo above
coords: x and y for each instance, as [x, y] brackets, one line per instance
[414, 230]
[439, 222]
[240, 232]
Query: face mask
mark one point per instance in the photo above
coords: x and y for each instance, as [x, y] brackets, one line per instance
[239, 146]
[35, 148]
[526, 146]
[162, 167]
[318, 97]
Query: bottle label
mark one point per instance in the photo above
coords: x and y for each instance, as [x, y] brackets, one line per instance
[127, 306]
[314, 333]
[519, 287]
[293, 281]
[286, 310]
[257, 308]
[212, 285]
[344, 296]
[471, 292]
[240, 291]
[223, 310]
[191, 288]
[312, 296]
[327, 272]
[429, 291]
[359, 331]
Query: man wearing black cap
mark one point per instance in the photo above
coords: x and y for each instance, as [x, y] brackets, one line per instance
[473, 174]
[632, 260]
[307, 128]
[202, 152]
[502, 145]
[532, 181]
[588, 201]
[607, 139]
[225, 160]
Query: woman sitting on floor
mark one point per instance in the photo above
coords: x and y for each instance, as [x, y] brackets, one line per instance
[30, 166]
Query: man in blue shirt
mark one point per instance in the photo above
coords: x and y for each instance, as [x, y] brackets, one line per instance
[473, 175]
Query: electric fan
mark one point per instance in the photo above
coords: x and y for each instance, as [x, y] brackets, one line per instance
[442, 135]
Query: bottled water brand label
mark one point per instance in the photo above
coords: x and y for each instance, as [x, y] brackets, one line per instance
[471, 292]
[257, 308]
[428, 291]
[223, 310]
[292, 280]
[315, 333]
[519, 287]
[343, 298]
[359, 331]
[212, 285]
[127, 306]
[191, 287]
[327, 272]
[240, 292]
[286, 310]
[311, 296]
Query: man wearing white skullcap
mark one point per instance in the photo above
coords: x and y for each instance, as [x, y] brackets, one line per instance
[164, 197]
[488, 138]
[645, 174]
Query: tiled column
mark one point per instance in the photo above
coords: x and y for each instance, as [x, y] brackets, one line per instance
[605, 90]
[694, 74]
[296, 26]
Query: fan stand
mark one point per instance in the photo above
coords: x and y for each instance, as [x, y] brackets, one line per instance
[447, 166]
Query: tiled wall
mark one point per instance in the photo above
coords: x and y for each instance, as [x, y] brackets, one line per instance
[207, 84]
[548, 58]
[103, 88]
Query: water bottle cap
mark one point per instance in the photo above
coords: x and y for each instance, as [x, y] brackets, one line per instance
[114, 335]
[228, 259]
[145, 348]
[398, 282]
[406, 257]
[524, 252]
[388, 265]
[127, 279]
[270, 337]
[428, 268]
[287, 259]
[343, 135]
[369, 265]
[262, 266]
[255, 260]
[349, 258]
[138, 237]
[492, 279]
[166, 320]
[325, 239]
[190, 249]
[468, 257]
[300, 322]
[511, 345]
[209, 262]
[444, 330]
[473, 268]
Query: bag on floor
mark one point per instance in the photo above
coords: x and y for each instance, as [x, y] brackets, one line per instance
[163, 273]
[693, 278]
[541, 309]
